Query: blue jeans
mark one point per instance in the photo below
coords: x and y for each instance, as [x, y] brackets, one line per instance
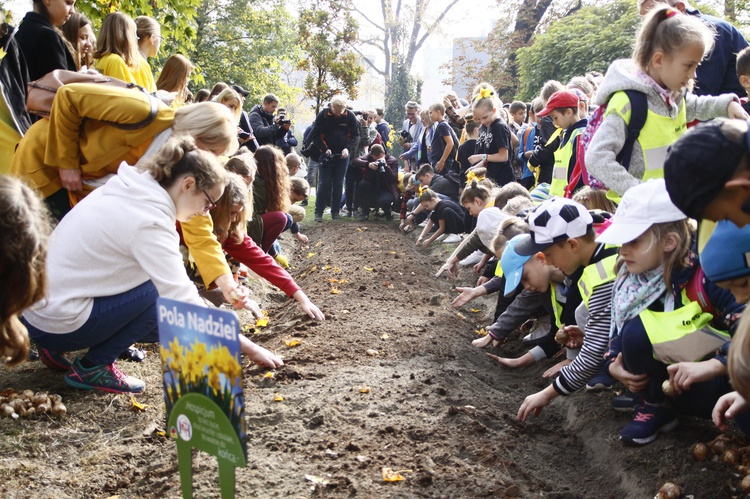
[115, 323]
[330, 185]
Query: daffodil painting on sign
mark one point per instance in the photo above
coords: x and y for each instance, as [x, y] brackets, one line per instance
[200, 353]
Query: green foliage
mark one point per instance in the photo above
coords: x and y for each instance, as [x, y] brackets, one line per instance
[403, 89]
[248, 43]
[588, 40]
[327, 32]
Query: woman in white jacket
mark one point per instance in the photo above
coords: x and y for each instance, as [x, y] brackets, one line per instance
[113, 255]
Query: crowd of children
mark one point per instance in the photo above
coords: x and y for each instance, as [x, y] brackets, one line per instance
[582, 218]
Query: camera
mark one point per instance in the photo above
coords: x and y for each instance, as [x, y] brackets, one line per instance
[381, 165]
[243, 135]
[362, 115]
[281, 119]
[405, 135]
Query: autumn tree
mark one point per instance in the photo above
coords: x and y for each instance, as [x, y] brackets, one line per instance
[401, 31]
[588, 40]
[251, 43]
[327, 32]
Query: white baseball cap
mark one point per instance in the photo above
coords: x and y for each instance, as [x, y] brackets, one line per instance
[641, 207]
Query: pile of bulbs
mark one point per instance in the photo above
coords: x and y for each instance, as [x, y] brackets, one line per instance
[28, 404]
[732, 451]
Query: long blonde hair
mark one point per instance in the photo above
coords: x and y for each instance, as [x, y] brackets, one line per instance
[210, 124]
[174, 76]
[227, 95]
[24, 229]
[118, 36]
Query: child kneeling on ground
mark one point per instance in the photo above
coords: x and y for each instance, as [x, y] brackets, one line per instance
[447, 214]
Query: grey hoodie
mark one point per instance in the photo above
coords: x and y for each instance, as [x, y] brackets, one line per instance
[610, 136]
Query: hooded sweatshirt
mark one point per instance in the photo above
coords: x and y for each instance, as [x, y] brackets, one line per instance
[120, 236]
[610, 136]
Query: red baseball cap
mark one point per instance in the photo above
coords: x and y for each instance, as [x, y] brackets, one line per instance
[563, 98]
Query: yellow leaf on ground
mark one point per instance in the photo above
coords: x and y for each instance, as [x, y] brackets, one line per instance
[317, 245]
[475, 310]
[336, 269]
[262, 321]
[369, 269]
[364, 389]
[314, 268]
[460, 316]
[481, 332]
[393, 252]
[310, 255]
[326, 267]
[343, 281]
[333, 281]
[137, 406]
[335, 291]
[278, 398]
[269, 374]
[394, 476]
[292, 342]
[359, 229]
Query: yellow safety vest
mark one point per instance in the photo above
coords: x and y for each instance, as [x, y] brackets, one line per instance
[563, 156]
[557, 307]
[595, 275]
[657, 135]
[682, 335]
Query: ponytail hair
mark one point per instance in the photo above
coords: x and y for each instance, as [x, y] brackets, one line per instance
[179, 157]
[474, 190]
[484, 96]
[24, 229]
[667, 30]
[427, 195]
[211, 125]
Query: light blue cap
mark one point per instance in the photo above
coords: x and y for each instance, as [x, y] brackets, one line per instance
[512, 263]
[726, 255]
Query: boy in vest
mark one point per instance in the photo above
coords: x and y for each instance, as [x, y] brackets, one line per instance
[562, 107]
[563, 231]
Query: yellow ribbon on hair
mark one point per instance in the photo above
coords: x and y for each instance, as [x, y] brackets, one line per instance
[484, 93]
[473, 176]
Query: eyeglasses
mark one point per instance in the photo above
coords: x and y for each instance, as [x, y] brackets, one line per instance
[211, 202]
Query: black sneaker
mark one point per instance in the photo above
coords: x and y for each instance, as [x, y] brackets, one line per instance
[335, 216]
[318, 218]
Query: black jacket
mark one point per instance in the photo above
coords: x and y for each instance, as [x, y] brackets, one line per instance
[13, 78]
[265, 129]
[335, 132]
[42, 46]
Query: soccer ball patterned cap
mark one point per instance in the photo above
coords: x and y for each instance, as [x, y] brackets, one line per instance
[557, 219]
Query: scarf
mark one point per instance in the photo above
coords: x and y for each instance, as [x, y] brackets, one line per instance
[670, 98]
[633, 293]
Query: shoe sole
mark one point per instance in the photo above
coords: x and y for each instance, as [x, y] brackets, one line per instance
[52, 364]
[647, 440]
[624, 409]
[100, 388]
[599, 387]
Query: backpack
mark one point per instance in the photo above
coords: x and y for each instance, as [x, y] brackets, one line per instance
[696, 291]
[638, 115]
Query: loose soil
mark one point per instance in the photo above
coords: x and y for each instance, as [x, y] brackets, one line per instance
[436, 405]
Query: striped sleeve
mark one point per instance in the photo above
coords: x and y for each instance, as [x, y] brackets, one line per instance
[596, 338]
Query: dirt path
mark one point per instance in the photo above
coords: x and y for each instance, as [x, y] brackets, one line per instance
[435, 406]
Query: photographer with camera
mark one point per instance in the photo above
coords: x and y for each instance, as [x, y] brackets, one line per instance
[378, 187]
[334, 134]
[367, 134]
[267, 129]
[287, 142]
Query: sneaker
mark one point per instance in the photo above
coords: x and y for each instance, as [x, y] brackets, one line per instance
[282, 261]
[106, 377]
[452, 238]
[318, 218]
[649, 421]
[472, 259]
[348, 213]
[627, 402]
[335, 216]
[538, 330]
[133, 354]
[600, 382]
[54, 360]
[441, 238]
[423, 224]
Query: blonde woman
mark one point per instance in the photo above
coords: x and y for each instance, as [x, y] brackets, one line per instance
[149, 37]
[174, 78]
[116, 52]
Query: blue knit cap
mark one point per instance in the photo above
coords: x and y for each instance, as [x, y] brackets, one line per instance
[726, 255]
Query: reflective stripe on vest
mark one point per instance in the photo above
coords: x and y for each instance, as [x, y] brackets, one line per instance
[499, 270]
[595, 275]
[557, 307]
[682, 335]
[657, 135]
[562, 165]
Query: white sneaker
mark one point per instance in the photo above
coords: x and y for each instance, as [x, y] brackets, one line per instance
[472, 259]
[441, 238]
[539, 330]
[423, 224]
[452, 238]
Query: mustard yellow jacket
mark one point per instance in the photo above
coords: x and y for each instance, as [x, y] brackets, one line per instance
[74, 137]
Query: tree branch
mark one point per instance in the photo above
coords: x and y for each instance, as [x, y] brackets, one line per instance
[434, 25]
[369, 62]
[355, 9]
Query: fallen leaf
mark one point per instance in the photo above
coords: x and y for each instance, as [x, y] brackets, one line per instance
[318, 244]
[336, 269]
[314, 268]
[364, 389]
[137, 406]
[343, 281]
[372, 353]
[269, 374]
[292, 342]
[345, 311]
[388, 285]
[262, 321]
[326, 267]
[162, 433]
[481, 332]
[310, 255]
[369, 269]
[335, 291]
[278, 398]
[392, 252]
[460, 316]
[394, 476]
[384, 336]
[474, 310]
[333, 281]
[359, 229]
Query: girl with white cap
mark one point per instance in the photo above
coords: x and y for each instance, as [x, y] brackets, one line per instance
[669, 334]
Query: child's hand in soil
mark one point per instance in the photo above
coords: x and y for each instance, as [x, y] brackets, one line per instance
[482, 280]
[552, 371]
[302, 238]
[467, 294]
[482, 342]
[477, 268]
[449, 267]
[727, 407]
[535, 403]
[636, 383]
[521, 361]
[307, 306]
[258, 354]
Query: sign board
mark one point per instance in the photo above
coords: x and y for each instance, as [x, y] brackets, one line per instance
[202, 370]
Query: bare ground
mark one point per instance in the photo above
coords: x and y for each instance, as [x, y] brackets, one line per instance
[436, 406]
